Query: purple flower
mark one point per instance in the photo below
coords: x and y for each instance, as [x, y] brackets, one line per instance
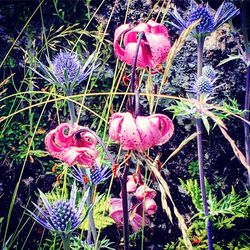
[65, 70]
[96, 175]
[68, 69]
[208, 22]
[61, 216]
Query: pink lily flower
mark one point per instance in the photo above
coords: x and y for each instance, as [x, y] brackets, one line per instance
[153, 49]
[116, 213]
[145, 191]
[65, 143]
[132, 183]
[150, 206]
[140, 133]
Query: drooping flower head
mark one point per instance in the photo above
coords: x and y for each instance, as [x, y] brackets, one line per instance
[140, 133]
[208, 22]
[61, 216]
[154, 46]
[141, 199]
[67, 144]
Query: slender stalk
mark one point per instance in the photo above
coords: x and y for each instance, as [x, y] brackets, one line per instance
[199, 129]
[133, 78]
[71, 107]
[125, 207]
[243, 15]
[92, 228]
[66, 241]
[246, 117]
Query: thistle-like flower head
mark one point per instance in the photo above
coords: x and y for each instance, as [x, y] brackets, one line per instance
[65, 70]
[97, 174]
[61, 216]
[205, 83]
[208, 22]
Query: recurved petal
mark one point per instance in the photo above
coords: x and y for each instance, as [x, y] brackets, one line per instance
[150, 206]
[145, 191]
[115, 122]
[129, 137]
[144, 55]
[51, 146]
[136, 222]
[149, 133]
[119, 51]
[159, 46]
[116, 211]
[132, 183]
[157, 28]
[165, 126]
[61, 138]
[83, 156]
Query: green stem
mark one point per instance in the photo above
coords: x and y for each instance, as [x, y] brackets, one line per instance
[71, 107]
[66, 241]
[199, 129]
[92, 228]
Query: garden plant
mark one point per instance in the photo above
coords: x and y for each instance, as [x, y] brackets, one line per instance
[124, 124]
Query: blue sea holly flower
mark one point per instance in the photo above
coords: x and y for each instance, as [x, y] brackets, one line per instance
[208, 22]
[66, 70]
[97, 174]
[61, 216]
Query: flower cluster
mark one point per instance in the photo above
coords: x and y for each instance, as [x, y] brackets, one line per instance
[140, 133]
[71, 144]
[208, 22]
[204, 83]
[61, 216]
[141, 199]
[154, 46]
[97, 174]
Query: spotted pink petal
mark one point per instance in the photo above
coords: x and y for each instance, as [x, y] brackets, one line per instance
[136, 221]
[132, 183]
[115, 123]
[140, 133]
[150, 206]
[144, 55]
[149, 132]
[165, 126]
[119, 51]
[144, 191]
[129, 136]
[153, 49]
[63, 144]
[116, 212]
[158, 53]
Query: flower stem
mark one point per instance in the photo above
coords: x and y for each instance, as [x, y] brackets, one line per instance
[125, 206]
[66, 241]
[134, 88]
[71, 107]
[199, 129]
[92, 228]
[243, 15]
[246, 117]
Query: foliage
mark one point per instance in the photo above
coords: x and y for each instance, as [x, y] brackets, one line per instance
[101, 214]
